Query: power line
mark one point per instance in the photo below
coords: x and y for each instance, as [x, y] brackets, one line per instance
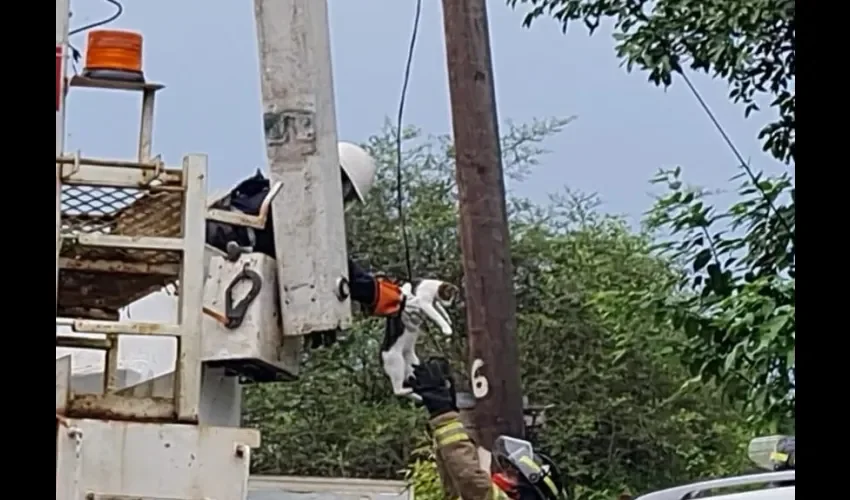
[399, 124]
[744, 164]
[119, 9]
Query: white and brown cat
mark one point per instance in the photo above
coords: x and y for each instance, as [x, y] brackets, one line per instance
[424, 300]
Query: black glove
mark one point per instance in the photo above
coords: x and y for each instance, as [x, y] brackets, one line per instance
[432, 381]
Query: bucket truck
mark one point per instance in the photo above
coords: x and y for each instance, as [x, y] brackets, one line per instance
[126, 228]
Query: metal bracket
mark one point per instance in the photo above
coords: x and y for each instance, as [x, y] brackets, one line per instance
[234, 251]
[343, 289]
[240, 219]
[148, 91]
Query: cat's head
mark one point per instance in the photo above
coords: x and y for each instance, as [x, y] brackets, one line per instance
[447, 293]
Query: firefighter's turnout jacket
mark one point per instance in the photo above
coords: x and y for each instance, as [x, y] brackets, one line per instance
[457, 462]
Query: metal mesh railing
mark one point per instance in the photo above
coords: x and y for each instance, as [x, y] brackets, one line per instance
[120, 211]
[100, 279]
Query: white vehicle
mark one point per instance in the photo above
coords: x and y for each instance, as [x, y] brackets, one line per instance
[773, 453]
[127, 228]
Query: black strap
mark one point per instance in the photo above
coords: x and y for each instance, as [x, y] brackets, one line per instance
[236, 314]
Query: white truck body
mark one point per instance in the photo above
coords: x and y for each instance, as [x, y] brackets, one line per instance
[706, 488]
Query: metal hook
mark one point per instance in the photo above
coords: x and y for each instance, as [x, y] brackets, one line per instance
[235, 314]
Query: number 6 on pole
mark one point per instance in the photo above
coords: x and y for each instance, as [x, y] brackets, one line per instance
[480, 385]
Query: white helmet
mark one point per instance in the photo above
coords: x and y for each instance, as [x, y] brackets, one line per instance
[358, 168]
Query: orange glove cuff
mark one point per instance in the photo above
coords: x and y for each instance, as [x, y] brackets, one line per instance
[388, 298]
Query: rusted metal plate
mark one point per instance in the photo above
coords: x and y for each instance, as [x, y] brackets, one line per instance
[117, 266]
[116, 407]
[71, 342]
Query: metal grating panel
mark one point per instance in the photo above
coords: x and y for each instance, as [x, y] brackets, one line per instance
[95, 282]
[120, 211]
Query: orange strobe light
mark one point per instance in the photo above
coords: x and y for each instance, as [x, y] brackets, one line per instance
[114, 55]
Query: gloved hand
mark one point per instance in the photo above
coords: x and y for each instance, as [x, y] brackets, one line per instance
[432, 382]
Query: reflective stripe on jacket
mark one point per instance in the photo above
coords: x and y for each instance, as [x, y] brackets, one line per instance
[457, 462]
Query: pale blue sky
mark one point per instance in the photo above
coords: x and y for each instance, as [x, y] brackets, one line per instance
[205, 52]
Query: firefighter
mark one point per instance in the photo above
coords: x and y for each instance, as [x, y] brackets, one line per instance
[379, 296]
[518, 472]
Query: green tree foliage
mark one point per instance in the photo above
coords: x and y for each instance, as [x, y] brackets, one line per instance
[737, 304]
[737, 300]
[590, 345]
[422, 474]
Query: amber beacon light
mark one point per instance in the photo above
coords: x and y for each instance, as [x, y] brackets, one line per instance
[114, 55]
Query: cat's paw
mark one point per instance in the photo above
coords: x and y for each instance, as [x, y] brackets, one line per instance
[447, 331]
[408, 393]
[414, 397]
[404, 392]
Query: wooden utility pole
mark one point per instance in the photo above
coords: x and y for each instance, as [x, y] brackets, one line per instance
[485, 241]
